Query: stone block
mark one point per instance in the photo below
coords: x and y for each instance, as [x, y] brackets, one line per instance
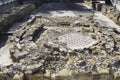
[18, 76]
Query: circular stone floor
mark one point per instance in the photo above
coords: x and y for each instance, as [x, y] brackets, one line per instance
[77, 40]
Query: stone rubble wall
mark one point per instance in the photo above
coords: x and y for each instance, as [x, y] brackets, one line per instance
[107, 10]
[14, 15]
[112, 13]
[7, 5]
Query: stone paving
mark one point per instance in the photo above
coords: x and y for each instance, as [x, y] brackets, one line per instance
[5, 57]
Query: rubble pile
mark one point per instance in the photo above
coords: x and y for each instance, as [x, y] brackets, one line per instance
[39, 50]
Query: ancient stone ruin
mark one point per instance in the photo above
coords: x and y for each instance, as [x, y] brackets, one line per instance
[60, 41]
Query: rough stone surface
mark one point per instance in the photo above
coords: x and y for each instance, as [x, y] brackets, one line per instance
[112, 13]
[14, 15]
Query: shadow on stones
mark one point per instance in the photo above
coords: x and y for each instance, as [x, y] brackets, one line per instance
[3, 40]
[108, 2]
[117, 64]
[36, 37]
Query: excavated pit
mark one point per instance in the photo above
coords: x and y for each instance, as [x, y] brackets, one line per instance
[74, 49]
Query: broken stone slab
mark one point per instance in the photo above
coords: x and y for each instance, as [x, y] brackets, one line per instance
[63, 73]
[76, 23]
[19, 55]
[31, 45]
[19, 76]
[103, 71]
[5, 57]
[47, 74]
[81, 63]
[19, 46]
[34, 68]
